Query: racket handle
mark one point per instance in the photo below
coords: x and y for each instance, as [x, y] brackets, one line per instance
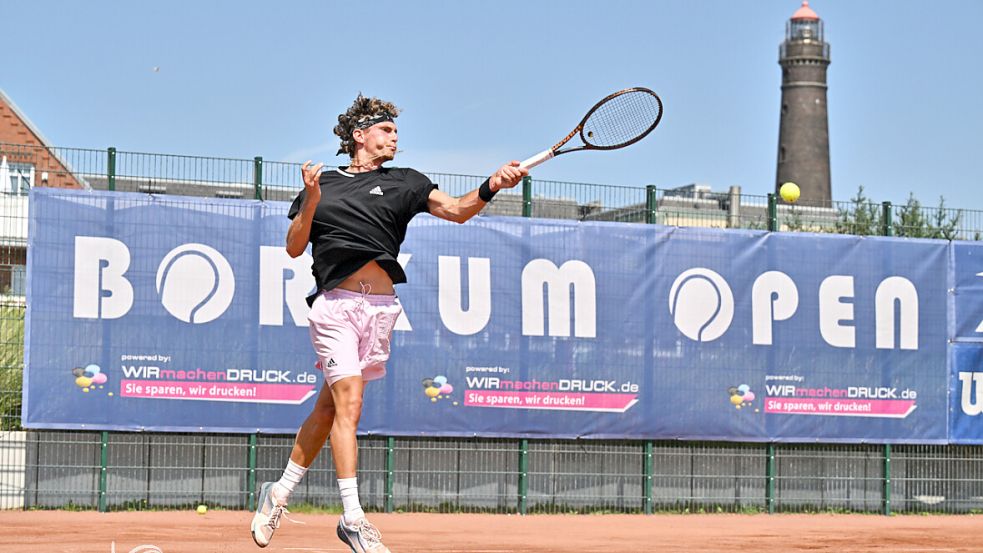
[537, 159]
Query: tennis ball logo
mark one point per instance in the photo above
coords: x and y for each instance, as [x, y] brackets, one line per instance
[789, 192]
[702, 304]
[195, 283]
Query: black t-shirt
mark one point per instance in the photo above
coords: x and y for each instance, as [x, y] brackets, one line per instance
[362, 217]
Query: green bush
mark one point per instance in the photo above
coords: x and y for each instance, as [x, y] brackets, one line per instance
[11, 365]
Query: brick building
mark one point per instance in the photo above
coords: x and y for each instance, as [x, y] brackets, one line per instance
[30, 161]
[26, 160]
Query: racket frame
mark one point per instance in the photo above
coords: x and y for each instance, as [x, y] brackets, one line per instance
[549, 154]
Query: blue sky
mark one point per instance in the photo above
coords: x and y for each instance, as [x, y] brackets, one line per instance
[484, 82]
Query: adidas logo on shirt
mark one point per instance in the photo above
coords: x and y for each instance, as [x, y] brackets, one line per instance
[376, 191]
[331, 363]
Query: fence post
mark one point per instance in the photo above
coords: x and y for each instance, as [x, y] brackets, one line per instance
[103, 462]
[111, 169]
[390, 471]
[523, 474]
[527, 196]
[772, 212]
[251, 472]
[649, 481]
[651, 207]
[258, 176]
[887, 216]
[887, 477]
[770, 482]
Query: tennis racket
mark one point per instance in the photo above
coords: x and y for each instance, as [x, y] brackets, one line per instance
[620, 120]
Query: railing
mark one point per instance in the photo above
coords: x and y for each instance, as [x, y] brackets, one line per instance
[280, 181]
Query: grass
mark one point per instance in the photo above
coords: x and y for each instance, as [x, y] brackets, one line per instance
[11, 365]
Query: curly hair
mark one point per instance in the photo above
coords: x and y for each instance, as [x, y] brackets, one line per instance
[361, 109]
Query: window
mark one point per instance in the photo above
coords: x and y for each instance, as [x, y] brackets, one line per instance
[18, 280]
[13, 280]
[151, 187]
[19, 179]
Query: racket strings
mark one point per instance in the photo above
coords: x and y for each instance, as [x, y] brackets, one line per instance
[621, 120]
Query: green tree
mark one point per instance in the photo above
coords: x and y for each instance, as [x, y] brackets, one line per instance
[758, 223]
[862, 216]
[793, 222]
[914, 222]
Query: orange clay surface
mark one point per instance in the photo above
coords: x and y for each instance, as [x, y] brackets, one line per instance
[222, 531]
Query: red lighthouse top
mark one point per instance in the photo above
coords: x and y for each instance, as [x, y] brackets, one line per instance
[805, 12]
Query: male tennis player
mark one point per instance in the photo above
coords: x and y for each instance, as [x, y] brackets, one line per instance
[355, 219]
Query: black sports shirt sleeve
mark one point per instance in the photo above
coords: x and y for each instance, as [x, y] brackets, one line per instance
[295, 206]
[424, 187]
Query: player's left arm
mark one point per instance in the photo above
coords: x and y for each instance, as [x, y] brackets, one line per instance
[467, 206]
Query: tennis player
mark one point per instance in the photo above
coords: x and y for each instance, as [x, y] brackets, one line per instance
[355, 219]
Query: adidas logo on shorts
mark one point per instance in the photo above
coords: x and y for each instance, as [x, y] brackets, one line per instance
[331, 363]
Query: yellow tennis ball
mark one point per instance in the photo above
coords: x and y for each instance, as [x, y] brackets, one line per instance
[789, 192]
[202, 509]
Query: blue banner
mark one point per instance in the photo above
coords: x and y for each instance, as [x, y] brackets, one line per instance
[186, 314]
[966, 355]
[967, 296]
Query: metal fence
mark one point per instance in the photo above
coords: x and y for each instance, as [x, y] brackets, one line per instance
[692, 205]
[120, 470]
[124, 471]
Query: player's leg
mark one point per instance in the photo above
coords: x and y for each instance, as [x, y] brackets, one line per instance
[377, 317]
[314, 432]
[353, 528]
[335, 343]
[347, 394]
[274, 496]
[308, 443]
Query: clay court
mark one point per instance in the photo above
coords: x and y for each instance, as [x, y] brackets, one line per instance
[227, 531]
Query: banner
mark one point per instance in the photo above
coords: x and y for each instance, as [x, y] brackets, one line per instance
[187, 314]
[966, 356]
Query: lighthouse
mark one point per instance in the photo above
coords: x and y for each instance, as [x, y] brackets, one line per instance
[803, 135]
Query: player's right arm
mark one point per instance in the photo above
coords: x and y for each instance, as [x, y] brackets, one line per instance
[299, 233]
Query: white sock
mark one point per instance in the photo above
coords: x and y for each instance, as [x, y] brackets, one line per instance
[292, 475]
[349, 499]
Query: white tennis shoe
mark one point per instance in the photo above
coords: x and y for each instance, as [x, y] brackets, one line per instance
[270, 507]
[362, 537]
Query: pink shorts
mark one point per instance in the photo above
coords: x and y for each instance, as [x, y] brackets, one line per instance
[351, 333]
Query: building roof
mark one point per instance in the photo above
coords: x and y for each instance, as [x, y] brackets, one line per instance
[23, 117]
[805, 12]
[37, 132]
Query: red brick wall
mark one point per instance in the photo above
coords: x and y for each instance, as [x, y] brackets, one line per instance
[33, 150]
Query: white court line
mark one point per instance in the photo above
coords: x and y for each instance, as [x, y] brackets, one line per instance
[320, 550]
[930, 549]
